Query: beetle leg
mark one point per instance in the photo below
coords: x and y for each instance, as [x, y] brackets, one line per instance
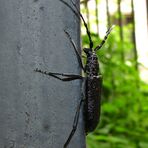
[75, 123]
[68, 77]
[75, 48]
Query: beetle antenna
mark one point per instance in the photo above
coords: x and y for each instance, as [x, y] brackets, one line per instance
[85, 24]
[105, 38]
[78, 14]
[71, 8]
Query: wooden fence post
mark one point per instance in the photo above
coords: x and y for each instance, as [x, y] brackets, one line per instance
[37, 111]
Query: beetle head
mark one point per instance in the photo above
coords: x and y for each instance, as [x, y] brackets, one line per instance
[87, 51]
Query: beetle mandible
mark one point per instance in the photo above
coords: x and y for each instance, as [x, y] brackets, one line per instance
[92, 79]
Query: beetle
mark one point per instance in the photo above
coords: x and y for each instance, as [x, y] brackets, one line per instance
[92, 79]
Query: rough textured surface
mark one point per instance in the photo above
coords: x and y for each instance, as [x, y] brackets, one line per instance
[37, 111]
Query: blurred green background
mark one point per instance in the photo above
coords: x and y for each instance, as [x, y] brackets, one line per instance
[124, 113]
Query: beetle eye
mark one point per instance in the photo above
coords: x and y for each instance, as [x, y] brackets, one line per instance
[95, 58]
[86, 50]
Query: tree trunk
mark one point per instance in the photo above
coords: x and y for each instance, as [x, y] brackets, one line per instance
[134, 37]
[121, 29]
[97, 18]
[37, 111]
[147, 11]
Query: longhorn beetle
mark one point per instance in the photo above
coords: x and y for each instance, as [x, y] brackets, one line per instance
[92, 79]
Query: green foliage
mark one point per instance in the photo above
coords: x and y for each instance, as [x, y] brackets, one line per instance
[124, 121]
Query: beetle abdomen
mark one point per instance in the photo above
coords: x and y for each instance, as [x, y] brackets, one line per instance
[93, 102]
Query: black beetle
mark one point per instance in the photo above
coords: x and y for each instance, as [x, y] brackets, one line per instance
[92, 80]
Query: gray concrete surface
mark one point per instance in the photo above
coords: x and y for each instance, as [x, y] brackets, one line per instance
[37, 111]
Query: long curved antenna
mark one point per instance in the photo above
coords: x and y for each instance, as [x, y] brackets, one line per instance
[85, 24]
[105, 38]
[71, 8]
[77, 12]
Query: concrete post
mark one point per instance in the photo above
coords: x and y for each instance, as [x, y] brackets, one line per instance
[37, 111]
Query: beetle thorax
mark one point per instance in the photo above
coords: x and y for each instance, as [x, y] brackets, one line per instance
[92, 65]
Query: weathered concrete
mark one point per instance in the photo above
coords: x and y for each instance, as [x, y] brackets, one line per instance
[37, 111]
